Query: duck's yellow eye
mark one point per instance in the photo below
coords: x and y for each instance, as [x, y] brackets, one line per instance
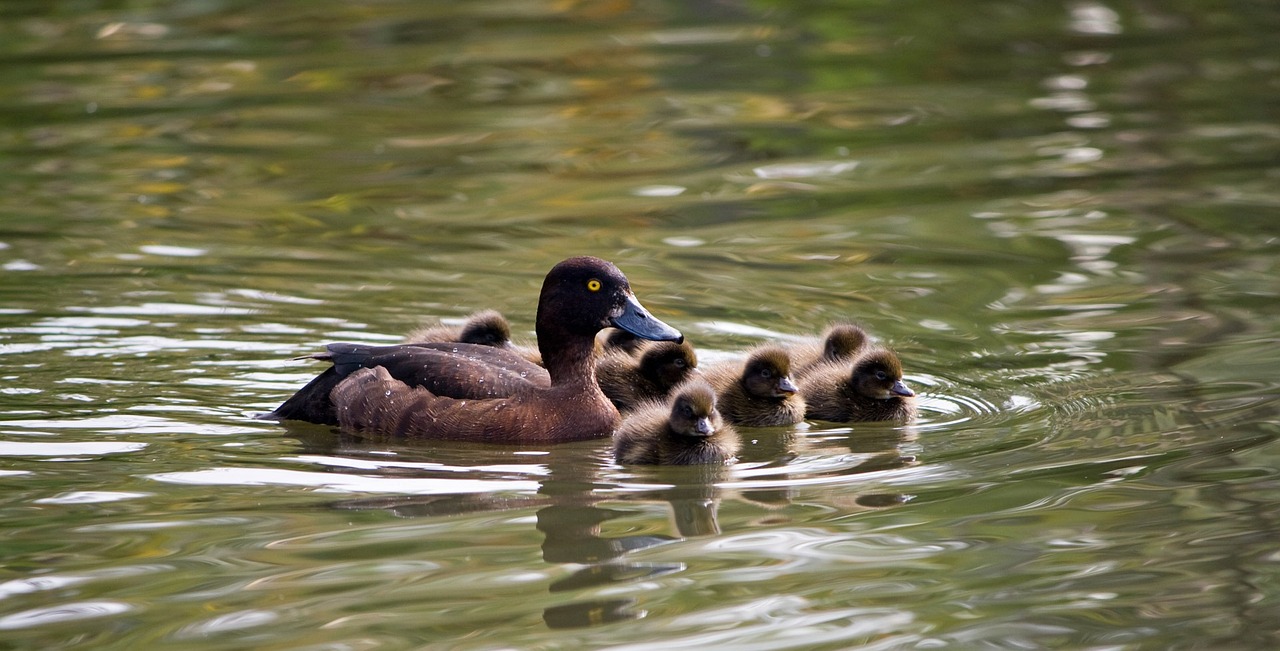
[593, 285]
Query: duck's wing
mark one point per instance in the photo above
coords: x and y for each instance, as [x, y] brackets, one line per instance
[446, 369]
[454, 370]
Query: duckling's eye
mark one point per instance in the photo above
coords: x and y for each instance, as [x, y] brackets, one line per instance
[688, 411]
[881, 376]
[764, 372]
[593, 285]
[679, 363]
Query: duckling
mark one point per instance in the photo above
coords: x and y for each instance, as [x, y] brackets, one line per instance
[870, 389]
[760, 392]
[483, 328]
[617, 339]
[840, 342]
[687, 430]
[628, 381]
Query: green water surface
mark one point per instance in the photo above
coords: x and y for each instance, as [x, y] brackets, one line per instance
[1064, 216]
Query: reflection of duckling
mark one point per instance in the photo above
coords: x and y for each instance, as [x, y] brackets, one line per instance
[760, 393]
[872, 389]
[484, 328]
[841, 342]
[629, 381]
[686, 431]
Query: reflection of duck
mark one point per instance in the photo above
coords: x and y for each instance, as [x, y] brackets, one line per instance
[760, 392]
[870, 389]
[686, 431]
[840, 342]
[463, 391]
[629, 381]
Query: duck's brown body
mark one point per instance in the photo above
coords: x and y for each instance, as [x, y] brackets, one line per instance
[457, 391]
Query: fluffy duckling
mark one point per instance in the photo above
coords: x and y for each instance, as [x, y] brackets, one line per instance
[629, 381]
[483, 328]
[760, 392]
[870, 389]
[685, 431]
[617, 339]
[842, 342]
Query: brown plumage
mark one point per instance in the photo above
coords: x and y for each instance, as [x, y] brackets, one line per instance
[579, 297]
[869, 389]
[627, 381]
[686, 430]
[758, 392]
[842, 342]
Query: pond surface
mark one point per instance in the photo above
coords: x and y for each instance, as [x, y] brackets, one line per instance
[1064, 217]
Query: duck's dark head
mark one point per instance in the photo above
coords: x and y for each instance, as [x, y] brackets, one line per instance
[669, 363]
[585, 295]
[693, 411]
[878, 374]
[767, 373]
[844, 341]
[486, 328]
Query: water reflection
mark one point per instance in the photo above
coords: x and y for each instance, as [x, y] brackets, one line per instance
[583, 507]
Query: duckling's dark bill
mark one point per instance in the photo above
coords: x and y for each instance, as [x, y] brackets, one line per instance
[637, 320]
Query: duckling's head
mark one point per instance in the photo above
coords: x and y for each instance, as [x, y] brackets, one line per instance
[844, 341]
[668, 363]
[878, 374]
[618, 339]
[767, 373]
[693, 411]
[584, 295]
[486, 328]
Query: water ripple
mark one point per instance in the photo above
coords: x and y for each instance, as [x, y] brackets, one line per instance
[62, 613]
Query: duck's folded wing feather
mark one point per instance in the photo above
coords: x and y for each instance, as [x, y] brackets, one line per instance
[450, 370]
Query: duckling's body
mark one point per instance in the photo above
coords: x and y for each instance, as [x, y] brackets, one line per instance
[870, 389]
[686, 430]
[469, 392]
[758, 392]
[842, 342]
[628, 381]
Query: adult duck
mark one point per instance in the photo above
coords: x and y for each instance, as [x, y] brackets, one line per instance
[869, 389]
[480, 393]
[687, 430]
